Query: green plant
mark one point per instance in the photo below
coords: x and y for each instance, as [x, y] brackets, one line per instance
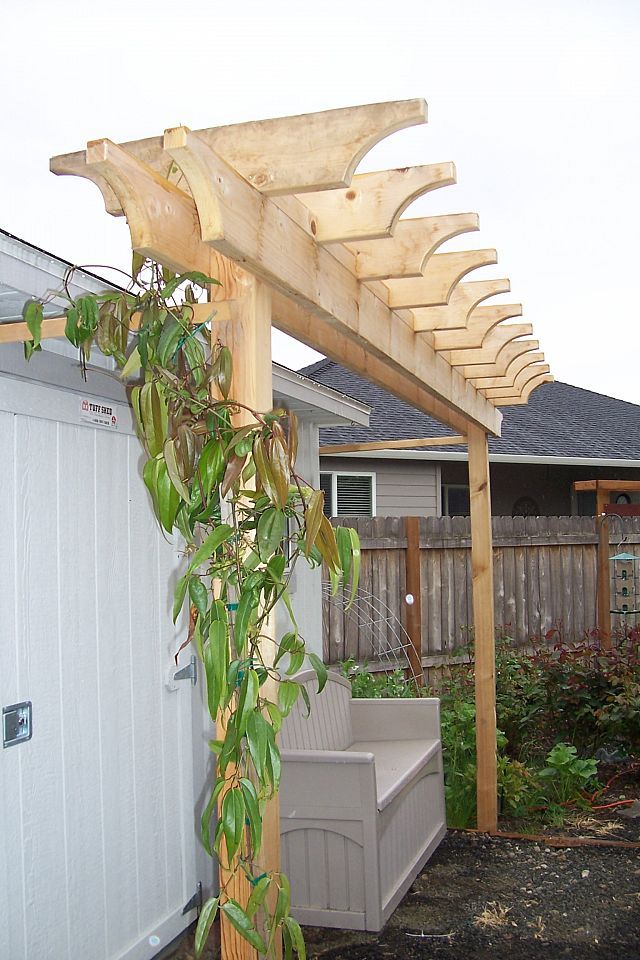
[379, 685]
[231, 490]
[567, 776]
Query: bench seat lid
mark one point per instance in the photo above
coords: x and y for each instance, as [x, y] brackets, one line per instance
[396, 762]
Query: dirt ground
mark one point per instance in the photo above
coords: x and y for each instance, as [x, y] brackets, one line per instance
[504, 899]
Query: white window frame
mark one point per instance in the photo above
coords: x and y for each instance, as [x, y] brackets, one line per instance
[445, 495]
[334, 474]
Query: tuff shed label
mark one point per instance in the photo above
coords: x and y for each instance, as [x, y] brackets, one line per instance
[100, 414]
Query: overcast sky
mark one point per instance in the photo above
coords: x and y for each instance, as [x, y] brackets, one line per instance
[535, 102]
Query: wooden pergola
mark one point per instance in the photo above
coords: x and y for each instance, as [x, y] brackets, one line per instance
[276, 210]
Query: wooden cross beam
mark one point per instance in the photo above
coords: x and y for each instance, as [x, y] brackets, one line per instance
[337, 448]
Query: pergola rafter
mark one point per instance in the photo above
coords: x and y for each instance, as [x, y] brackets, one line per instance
[275, 210]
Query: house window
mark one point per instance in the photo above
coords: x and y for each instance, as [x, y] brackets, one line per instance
[349, 494]
[455, 500]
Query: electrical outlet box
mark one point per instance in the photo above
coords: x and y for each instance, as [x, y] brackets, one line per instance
[16, 723]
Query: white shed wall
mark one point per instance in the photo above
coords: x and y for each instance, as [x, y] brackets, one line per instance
[97, 839]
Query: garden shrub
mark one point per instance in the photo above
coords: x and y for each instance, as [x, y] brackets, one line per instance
[556, 704]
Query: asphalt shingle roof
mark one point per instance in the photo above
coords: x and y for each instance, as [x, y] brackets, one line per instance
[560, 420]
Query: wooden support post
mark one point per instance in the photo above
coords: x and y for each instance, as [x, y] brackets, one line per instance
[245, 327]
[413, 589]
[603, 497]
[484, 630]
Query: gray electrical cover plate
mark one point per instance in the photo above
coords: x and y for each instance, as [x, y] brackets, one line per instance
[16, 723]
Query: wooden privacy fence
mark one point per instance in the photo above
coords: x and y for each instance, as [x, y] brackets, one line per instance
[544, 576]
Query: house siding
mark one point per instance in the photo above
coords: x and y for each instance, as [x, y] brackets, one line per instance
[403, 488]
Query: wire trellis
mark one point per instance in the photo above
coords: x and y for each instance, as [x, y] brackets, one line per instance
[380, 630]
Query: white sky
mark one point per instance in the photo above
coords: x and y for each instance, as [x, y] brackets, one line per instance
[535, 102]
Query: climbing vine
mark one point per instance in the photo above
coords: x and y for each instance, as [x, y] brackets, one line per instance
[246, 517]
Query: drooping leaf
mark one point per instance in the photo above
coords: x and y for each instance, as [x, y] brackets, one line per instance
[264, 472]
[199, 595]
[132, 365]
[279, 462]
[210, 544]
[293, 927]
[169, 453]
[216, 655]
[207, 813]
[312, 519]
[247, 700]
[225, 371]
[33, 315]
[205, 922]
[253, 814]
[320, 670]
[246, 605]
[179, 595]
[288, 692]
[258, 895]
[271, 529]
[232, 473]
[239, 919]
[232, 815]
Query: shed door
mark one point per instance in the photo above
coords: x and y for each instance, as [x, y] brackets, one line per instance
[97, 837]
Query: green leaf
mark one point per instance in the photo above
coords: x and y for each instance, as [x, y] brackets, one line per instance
[210, 544]
[247, 700]
[271, 529]
[207, 813]
[253, 814]
[225, 371]
[205, 921]
[199, 595]
[288, 692]
[232, 816]
[216, 655]
[312, 520]
[258, 895]
[211, 465]
[355, 565]
[33, 316]
[293, 928]
[246, 605]
[239, 919]
[179, 595]
[257, 728]
[169, 452]
[168, 496]
[320, 670]
[132, 365]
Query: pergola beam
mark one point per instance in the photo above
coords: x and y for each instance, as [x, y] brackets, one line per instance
[338, 448]
[232, 217]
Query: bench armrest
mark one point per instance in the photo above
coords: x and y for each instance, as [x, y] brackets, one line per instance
[327, 784]
[417, 719]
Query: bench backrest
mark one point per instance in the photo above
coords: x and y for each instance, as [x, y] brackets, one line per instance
[328, 726]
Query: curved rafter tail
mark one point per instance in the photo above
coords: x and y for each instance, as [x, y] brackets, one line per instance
[370, 208]
[523, 398]
[406, 253]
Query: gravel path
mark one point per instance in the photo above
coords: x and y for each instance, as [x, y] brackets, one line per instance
[493, 898]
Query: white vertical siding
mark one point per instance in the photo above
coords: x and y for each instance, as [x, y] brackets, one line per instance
[97, 837]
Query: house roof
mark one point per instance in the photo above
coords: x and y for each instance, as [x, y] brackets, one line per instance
[561, 423]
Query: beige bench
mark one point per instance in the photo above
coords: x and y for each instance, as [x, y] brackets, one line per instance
[361, 803]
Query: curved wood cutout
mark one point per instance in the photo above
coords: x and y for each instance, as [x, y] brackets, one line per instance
[152, 207]
[526, 393]
[491, 345]
[524, 377]
[444, 271]
[514, 368]
[313, 151]
[405, 254]
[498, 367]
[371, 207]
[464, 299]
[75, 165]
[481, 321]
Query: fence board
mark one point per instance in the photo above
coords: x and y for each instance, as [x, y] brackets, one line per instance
[544, 576]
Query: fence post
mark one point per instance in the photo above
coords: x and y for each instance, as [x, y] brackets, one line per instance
[604, 573]
[414, 588]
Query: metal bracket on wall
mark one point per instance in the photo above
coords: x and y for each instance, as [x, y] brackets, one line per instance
[195, 902]
[190, 672]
